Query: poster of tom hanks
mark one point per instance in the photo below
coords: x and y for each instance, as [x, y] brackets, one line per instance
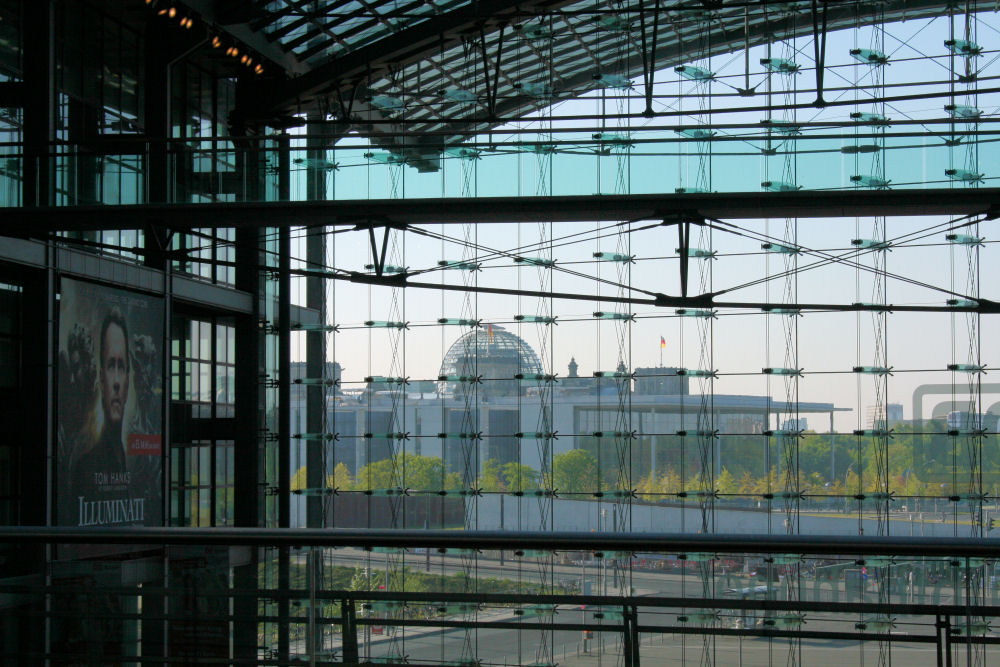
[110, 414]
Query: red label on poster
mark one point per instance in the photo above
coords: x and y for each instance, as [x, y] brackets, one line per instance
[141, 444]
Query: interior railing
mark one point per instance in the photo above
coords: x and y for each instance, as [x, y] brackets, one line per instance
[324, 597]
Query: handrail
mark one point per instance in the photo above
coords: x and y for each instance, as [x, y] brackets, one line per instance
[736, 543]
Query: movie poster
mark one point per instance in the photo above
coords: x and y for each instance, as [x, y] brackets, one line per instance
[110, 407]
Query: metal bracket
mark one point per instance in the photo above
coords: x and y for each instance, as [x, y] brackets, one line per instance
[684, 222]
[349, 631]
[819, 47]
[648, 57]
[346, 110]
[684, 243]
[379, 258]
[746, 91]
[493, 85]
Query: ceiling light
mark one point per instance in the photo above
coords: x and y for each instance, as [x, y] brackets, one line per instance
[172, 12]
[216, 42]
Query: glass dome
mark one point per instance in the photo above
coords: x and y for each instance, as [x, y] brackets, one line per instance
[493, 353]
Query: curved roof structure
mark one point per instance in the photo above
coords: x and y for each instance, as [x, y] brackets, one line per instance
[441, 71]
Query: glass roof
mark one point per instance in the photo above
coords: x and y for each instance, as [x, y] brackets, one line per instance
[433, 97]
[579, 48]
[318, 30]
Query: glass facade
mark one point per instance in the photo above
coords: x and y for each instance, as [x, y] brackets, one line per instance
[817, 371]
[202, 470]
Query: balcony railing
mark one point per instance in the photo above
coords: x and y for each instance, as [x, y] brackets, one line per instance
[322, 597]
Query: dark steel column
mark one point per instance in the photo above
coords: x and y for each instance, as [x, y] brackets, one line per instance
[156, 110]
[155, 121]
[39, 299]
[349, 632]
[315, 340]
[39, 105]
[316, 364]
[284, 393]
[249, 491]
[156, 124]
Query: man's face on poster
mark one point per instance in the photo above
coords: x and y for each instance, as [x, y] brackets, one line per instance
[114, 374]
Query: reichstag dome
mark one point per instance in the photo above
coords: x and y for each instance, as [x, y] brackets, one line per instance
[493, 354]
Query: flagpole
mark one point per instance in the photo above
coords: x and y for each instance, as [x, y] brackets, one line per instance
[661, 352]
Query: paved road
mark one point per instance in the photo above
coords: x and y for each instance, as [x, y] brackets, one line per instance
[598, 578]
[499, 646]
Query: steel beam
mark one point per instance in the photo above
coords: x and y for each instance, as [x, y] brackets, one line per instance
[33, 222]
[38, 95]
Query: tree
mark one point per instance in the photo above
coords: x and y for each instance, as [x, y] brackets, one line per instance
[575, 471]
[648, 487]
[768, 483]
[815, 484]
[299, 479]
[670, 481]
[491, 481]
[341, 477]
[519, 477]
[409, 471]
[852, 482]
[725, 483]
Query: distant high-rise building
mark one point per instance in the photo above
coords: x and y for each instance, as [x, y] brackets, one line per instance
[892, 413]
[960, 419]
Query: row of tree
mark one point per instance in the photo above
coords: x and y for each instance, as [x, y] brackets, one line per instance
[928, 463]
[575, 471]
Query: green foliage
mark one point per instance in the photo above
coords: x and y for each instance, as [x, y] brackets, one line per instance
[299, 479]
[410, 471]
[490, 481]
[518, 477]
[341, 477]
[510, 478]
[725, 483]
[922, 460]
[575, 471]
